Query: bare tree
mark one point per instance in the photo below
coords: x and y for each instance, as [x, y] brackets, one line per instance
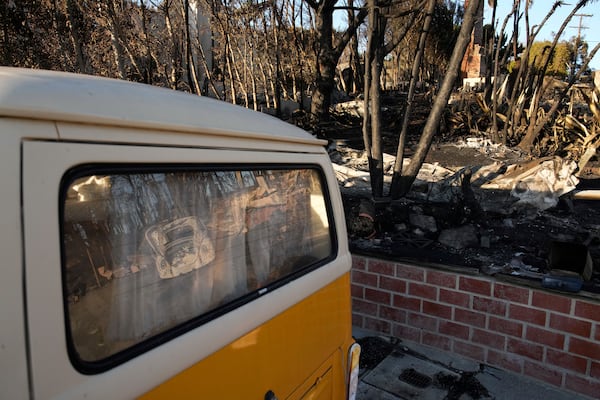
[441, 99]
[534, 128]
[329, 51]
[372, 108]
[520, 87]
[377, 50]
[76, 31]
[192, 75]
[172, 69]
[395, 187]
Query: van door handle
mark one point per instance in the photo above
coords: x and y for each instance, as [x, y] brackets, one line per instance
[270, 395]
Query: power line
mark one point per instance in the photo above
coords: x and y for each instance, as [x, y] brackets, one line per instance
[581, 26]
[578, 42]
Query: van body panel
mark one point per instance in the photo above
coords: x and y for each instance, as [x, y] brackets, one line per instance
[155, 137]
[324, 383]
[299, 329]
[89, 99]
[49, 361]
[13, 354]
[272, 356]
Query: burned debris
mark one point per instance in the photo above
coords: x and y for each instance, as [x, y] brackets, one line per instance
[510, 223]
[483, 205]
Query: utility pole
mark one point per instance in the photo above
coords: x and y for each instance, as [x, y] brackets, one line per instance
[578, 40]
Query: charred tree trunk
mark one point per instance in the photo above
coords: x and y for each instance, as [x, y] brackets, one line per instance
[328, 54]
[433, 121]
[489, 51]
[377, 49]
[495, 99]
[326, 63]
[373, 107]
[355, 67]
[395, 187]
[366, 128]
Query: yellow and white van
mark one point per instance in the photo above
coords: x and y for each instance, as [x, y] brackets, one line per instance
[157, 244]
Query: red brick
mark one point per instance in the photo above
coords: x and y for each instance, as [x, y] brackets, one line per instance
[490, 306]
[597, 335]
[423, 322]
[424, 291]
[364, 307]
[511, 293]
[437, 309]
[581, 385]
[392, 314]
[566, 361]
[552, 302]
[527, 314]
[456, 298]
[570, 325]
[489, 339]
[506, 361]
[595, 370]
[377, 325]
[405, 332]
[584, 348]
[359, 263]
[407, 303]
[508, 327]
[382, 267]
[411, 273]
[469, 317]
[357, 320]
[587, 310]
[469, 350]
[545, 337]
[455, 330]
[378, 296]
[526, 349]
[543, 373]
[435, 340]
[357, 291]
[364, 278]
[441, 279]
[392, 284]
[473, 285]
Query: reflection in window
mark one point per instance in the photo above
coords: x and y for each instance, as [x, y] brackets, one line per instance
[146, 252]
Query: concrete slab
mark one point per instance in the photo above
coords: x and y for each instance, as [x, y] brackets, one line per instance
[508, 386]
[368, 392]
[417, 372]
[409, 377]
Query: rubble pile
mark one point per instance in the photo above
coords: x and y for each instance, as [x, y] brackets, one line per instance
[504, 215]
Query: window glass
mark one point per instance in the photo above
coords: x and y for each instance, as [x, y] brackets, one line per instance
[145, 252]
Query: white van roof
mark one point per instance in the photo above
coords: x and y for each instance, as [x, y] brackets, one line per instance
[67, 97]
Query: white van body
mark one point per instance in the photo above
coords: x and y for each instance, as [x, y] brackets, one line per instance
[51, 122]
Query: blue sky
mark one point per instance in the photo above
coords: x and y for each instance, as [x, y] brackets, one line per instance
[538, 11]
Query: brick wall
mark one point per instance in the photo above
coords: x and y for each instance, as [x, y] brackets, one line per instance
[547, 336]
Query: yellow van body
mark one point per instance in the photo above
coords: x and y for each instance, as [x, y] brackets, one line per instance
[66, 142]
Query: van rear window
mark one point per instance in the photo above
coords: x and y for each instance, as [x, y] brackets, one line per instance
[150, 254]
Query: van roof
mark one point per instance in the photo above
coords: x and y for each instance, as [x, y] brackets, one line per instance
[68, 97]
